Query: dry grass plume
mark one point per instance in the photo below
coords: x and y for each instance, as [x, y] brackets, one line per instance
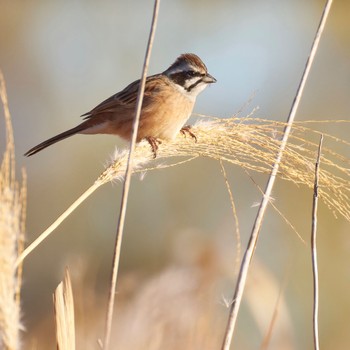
[250, 143]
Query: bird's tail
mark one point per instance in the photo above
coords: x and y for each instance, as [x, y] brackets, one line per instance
[54, 139]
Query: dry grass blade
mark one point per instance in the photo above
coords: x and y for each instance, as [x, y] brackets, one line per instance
[12, 204]
[64, 312]
[235, 217]
[266, 342]
[56, 223]
[21, 237]
[127, 179]
[284, 218]
[314, 247]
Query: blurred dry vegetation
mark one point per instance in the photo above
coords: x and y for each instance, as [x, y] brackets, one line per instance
[179, 257]
[12, 226]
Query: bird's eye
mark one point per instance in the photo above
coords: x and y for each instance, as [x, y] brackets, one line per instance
[191, 73]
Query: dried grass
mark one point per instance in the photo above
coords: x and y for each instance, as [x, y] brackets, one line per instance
[12, 208]
[64, 312]
[252, 144]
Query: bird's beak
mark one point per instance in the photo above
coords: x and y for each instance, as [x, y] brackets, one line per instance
[209, 79]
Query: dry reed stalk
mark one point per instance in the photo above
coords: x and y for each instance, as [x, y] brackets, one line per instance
[254, 235]
[314, 247]
[127, 179]
[12, 205]
[64, 312]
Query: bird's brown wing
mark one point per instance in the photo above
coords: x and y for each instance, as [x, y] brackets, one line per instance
[125, 99]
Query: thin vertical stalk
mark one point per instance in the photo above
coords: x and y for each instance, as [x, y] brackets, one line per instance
[314, 248]
[128, 172]
[247, 258]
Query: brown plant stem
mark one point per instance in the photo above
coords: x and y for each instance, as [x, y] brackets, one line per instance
[247, 258]
[127, 178]
[314, 248]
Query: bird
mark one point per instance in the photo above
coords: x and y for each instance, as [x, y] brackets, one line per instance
[169, 98]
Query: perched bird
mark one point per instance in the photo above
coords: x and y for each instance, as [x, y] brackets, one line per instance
[168, 102]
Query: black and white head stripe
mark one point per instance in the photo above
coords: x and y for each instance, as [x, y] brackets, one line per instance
[187, 79]
[188, 71]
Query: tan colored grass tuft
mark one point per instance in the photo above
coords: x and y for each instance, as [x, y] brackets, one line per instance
[64, 311]
[12, 206]
[252, 144]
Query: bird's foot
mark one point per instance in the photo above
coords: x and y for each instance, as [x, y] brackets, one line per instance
[187, 130]
[154, 142]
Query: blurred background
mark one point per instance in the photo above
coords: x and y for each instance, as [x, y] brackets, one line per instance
[179, 254]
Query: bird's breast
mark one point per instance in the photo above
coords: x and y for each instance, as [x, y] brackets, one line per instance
[166, 117]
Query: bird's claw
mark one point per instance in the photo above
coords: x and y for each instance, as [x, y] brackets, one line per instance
[154, 142]
[187, 130]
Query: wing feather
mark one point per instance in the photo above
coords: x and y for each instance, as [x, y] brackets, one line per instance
[126, 99]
